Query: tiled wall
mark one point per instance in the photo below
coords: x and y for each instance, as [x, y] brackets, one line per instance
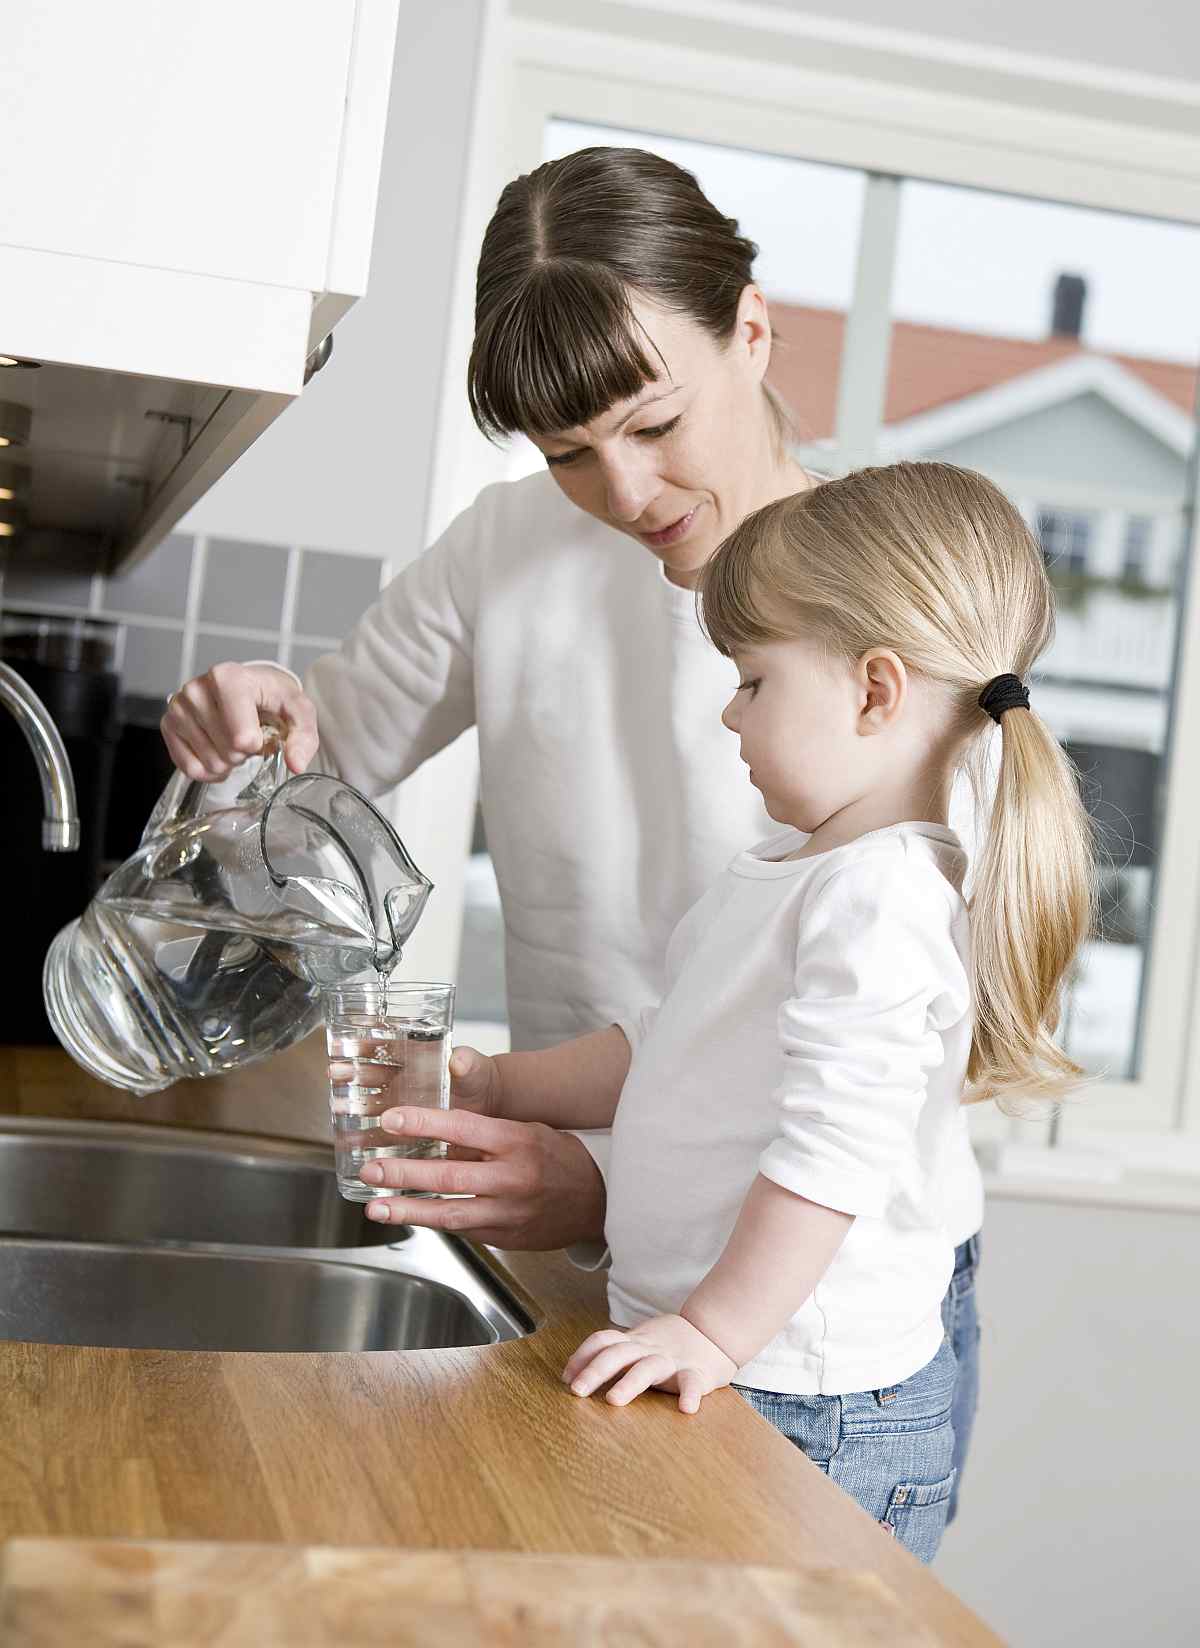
[195, 601]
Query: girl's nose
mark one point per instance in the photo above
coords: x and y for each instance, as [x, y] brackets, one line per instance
[729, 714]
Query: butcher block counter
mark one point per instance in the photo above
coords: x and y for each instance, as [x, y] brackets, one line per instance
[479, 1448]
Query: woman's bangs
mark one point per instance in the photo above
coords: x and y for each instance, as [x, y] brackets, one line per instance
[562, 352]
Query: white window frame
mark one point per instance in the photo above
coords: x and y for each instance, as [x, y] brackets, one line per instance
[881, 102]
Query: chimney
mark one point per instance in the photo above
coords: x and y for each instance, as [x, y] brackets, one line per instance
[1066, 318]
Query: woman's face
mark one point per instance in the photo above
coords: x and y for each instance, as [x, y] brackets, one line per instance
[679, 465]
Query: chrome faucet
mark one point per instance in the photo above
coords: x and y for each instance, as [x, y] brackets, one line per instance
[60, 826]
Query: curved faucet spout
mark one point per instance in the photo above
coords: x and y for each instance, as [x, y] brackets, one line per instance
[60, 826]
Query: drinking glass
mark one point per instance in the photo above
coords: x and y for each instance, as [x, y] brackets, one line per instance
[389, 1044]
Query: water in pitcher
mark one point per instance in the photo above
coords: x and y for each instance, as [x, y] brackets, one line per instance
[214, 944]
[200, 997]
[374, 1067]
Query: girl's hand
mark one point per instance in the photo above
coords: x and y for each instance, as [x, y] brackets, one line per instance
[666, 1352]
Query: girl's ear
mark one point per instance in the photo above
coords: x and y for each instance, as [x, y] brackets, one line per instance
[883, 681]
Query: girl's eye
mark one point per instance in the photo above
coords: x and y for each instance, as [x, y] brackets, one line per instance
[566, 458]
[749, 686]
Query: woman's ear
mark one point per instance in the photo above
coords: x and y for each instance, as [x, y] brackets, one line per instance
[753, 329]
[883, 682]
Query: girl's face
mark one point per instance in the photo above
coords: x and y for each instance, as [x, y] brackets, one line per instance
[688, 458]
[806, 722]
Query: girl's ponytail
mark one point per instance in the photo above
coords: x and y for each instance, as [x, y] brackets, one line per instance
[1032, 906]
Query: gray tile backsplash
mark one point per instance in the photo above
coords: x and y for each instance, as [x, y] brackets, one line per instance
[243, 584]
[334, 592]
[217, 649]
[152, 660]
[242, 588]
[157, 586]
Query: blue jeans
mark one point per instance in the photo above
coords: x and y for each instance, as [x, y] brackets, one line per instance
[961, 1321]
[892, 1449]
[898, 1451]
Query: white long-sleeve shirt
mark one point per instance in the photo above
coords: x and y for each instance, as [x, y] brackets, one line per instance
[815, 1028]
[612, 795]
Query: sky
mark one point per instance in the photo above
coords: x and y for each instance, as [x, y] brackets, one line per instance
[964, 258]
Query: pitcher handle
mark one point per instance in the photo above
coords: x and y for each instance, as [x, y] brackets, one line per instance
[183, 797]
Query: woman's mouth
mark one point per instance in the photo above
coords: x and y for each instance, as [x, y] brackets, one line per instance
[670, 534]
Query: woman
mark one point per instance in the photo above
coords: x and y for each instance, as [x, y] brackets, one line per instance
[619, 327]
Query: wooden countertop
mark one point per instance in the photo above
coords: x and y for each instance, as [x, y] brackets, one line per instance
[482, 1447]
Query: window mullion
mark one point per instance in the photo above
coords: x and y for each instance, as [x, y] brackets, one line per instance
[862, 385]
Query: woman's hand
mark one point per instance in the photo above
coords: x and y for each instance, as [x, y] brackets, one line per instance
[474, 1082]
[512, 1184]
[215, 721]
[666, 1352]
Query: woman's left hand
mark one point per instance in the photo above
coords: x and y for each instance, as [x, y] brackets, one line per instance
[666, 1352]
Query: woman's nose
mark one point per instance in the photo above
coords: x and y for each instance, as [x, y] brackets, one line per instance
[631, 489]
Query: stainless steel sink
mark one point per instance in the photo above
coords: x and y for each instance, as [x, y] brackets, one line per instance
[120, 1235]
[84, 1293]
[123, 1182]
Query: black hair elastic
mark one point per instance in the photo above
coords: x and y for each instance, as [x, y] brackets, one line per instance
[1004, 692]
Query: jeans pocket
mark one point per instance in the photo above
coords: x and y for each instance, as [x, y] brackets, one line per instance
[916, 1515]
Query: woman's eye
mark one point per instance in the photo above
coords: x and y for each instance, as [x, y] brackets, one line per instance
[659, 430]
[655, 434]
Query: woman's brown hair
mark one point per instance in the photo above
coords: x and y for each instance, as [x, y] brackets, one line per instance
[568, 246]
[935, 563]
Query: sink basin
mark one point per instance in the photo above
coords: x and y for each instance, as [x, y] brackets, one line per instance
[123, 1182]
[85, 1293]
[142, 1237]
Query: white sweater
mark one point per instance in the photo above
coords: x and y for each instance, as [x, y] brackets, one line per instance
[612, 795]
[815, 1029]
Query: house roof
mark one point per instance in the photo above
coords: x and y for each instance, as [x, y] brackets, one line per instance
[930, 366]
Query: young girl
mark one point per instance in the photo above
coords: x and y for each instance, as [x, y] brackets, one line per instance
[785, 1112]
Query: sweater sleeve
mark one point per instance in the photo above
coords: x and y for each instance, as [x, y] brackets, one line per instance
[402, 685]
[878, 977]
[635, 1027]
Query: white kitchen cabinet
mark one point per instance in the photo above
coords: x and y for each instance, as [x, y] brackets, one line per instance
[188, 200]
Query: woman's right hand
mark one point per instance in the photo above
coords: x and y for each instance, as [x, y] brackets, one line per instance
[474, 1080]
[215, 721]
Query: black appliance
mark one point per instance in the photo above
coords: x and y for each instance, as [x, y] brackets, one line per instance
[43, 890]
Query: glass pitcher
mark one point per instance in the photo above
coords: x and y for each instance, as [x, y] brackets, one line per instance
[209, 948]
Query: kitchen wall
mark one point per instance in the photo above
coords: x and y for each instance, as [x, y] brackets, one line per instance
[1078, 1512]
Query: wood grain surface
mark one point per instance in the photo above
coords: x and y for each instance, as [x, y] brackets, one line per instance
[60, 1593]
[481, 1448]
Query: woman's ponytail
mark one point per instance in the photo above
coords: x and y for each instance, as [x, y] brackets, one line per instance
[1032, 906]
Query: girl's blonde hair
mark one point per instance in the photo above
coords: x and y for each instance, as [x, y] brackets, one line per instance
[935, 563]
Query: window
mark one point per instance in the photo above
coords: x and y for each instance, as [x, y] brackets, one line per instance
[1064, 537]
[1136, 550]
[1075, 391]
